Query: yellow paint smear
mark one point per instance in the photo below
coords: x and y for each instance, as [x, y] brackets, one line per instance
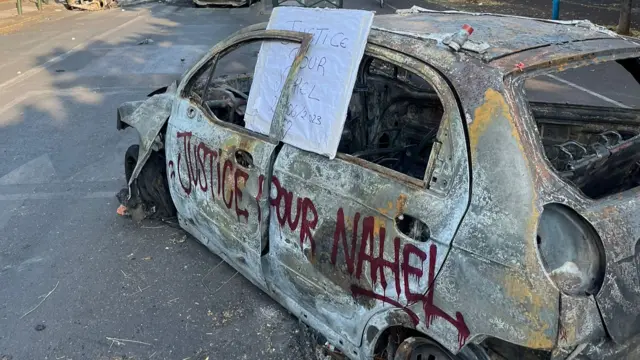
[391, 211]
[399, 207]
[378, 222]
[520, 290]
[494, 106]
[532, 295]
[529, 292]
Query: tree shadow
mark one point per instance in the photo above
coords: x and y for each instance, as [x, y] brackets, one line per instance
[62, 164]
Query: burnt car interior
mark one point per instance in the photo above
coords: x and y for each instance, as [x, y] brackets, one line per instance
[392, 121]
[393, 118]
[596, 148]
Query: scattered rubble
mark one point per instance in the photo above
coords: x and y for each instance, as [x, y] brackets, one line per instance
[91, 5]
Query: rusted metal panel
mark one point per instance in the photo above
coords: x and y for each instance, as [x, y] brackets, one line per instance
[605, 350]
[500, 226]
[579, 322]
[566, 56]
[148, 119]
[335, 247]
[125, 111]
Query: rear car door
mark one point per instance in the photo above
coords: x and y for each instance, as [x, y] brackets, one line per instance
[219, 171]
[368, 230]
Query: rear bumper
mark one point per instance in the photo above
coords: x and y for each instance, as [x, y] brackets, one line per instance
[608, 350]
[604, 349]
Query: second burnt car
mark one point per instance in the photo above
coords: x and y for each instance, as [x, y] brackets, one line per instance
[459, 219]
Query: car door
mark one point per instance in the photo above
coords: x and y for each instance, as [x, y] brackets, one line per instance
[368, 230]
[219, 171]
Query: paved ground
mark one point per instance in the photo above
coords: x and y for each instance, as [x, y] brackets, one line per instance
[96, 275]
[61, 167]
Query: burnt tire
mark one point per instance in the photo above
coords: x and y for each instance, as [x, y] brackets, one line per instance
[151, 188]
[417, 348]
[130, 160]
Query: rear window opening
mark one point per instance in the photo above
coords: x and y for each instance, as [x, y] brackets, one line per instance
[589, 122]
[393, 118]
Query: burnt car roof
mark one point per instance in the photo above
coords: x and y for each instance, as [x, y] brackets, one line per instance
[503, 34]
[507, 39]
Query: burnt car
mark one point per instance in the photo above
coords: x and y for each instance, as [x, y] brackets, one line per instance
[459, 219]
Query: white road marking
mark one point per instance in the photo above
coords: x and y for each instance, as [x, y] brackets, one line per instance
[76, 91]
[58, 195]
[102, 194]
[593, 93]
[29, 73]
[144, 60]
[7, 211]
[36, 171]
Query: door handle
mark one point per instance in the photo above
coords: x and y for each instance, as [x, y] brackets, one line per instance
[244, 158]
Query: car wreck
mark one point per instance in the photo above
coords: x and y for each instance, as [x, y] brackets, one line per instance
[459, 219]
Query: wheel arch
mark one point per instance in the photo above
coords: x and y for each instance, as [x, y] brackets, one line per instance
[395, 322]
[148, 118]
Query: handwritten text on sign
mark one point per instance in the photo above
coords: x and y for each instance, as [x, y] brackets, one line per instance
[322, 90]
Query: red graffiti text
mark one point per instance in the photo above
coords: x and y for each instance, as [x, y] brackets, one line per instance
[206, 172]
[304, 216]
[402, 271]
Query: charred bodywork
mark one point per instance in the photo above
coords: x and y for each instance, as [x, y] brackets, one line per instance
[456, 210]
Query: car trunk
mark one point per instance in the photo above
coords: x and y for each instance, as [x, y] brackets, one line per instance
[597, 149]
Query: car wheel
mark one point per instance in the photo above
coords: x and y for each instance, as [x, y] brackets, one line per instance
[416, 348]
[130, 161]
[150, 187]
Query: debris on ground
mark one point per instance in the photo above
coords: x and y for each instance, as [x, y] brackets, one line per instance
[122, 210]
[145, 42]
[179, 240]
[44, 297]
[91, 5]
[330, 352]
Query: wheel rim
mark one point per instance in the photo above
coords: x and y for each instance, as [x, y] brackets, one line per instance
[421, 349]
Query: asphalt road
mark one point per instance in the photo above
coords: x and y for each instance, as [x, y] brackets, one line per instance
[74, 276]
[61, 165]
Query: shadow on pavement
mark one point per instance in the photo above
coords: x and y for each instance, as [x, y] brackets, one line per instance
[153, 289]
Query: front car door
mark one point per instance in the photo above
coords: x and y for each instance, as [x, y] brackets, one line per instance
[367, 231]
[219, 171]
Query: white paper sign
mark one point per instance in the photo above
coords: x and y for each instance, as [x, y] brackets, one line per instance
[322, 89]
